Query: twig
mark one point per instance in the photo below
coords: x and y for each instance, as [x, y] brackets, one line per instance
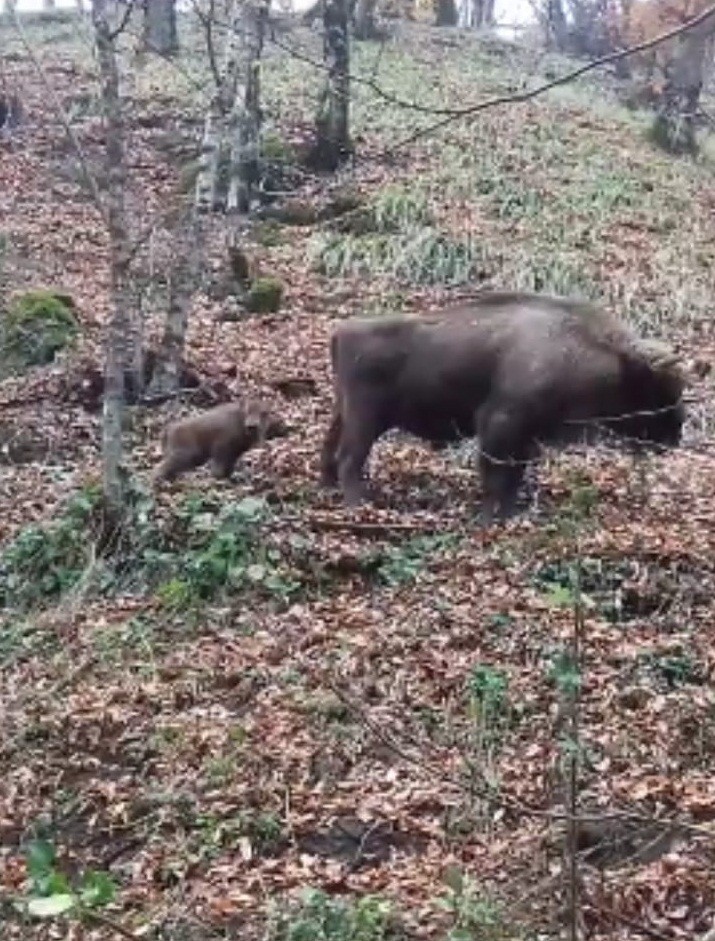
[635, 925]
[207, 21]
[109, 923]
[374, 528]
[123, 22]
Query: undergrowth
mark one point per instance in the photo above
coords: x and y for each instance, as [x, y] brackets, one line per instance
[204, 549]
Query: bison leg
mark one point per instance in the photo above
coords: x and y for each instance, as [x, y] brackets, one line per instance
[328, 457]
[502, 462]
[359, 433]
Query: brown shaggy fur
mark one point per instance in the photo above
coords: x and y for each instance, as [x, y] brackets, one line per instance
[515, 370]
[221, 435]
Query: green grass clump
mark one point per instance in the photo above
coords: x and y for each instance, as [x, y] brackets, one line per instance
[419, 256]
[36, 326]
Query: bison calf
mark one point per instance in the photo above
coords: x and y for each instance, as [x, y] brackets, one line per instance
[221, 434]
[514, 370]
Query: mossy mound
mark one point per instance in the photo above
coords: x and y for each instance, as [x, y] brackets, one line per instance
[264, 296]
[36, 326]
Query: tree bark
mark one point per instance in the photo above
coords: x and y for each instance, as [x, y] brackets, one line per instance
[446, 13]
[214, 137]
[332, 145]
[245, 117]
[160, 34]
[183, 280]
[555, 24]
[118, 328]
[365, 24]
[674, 125]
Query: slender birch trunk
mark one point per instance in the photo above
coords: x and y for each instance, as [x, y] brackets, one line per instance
[160, 33]
[245, 117]
[118, 327]
[213, 141]
[183, 279]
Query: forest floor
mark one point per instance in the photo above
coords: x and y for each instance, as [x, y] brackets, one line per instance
[263, 692]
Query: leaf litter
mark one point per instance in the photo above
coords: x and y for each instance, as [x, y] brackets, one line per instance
[209, 761]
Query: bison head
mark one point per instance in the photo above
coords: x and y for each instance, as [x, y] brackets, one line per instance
[656, 392]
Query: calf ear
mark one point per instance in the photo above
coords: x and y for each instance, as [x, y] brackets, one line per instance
[257, 422]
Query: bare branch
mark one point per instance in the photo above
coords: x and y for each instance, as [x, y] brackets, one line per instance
[123, 22]
[207, 21]
[562, 80]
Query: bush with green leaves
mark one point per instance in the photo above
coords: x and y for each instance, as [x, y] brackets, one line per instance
[36, 326]
[475, 916]
[46, 560]
[216, 548]
[317, 916]
[400, 565]
[204, 549]
[51, 894]
[488, 700]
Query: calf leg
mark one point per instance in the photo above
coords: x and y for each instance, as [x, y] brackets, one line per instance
[175, 463]
[224, 457]
[328, 457]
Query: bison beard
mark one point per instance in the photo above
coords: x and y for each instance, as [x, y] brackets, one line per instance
[514, 370]
[221, 434]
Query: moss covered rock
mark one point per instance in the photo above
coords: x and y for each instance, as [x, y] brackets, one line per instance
[36, 326]
[264, 296]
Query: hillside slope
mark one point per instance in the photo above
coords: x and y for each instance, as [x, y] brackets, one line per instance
[364, 702]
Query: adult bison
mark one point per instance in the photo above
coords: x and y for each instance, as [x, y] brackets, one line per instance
[515, 370]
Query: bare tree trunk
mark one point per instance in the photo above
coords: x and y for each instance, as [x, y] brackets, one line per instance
[117, 332]
[446, 13]
[9, 7]
[160, 34]
[183, 279]
[332, 145]
[365, 25]
[479, 13]
[554, 24]
[212, 144]
[312, 13]
[674, 126]
[245, 117]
